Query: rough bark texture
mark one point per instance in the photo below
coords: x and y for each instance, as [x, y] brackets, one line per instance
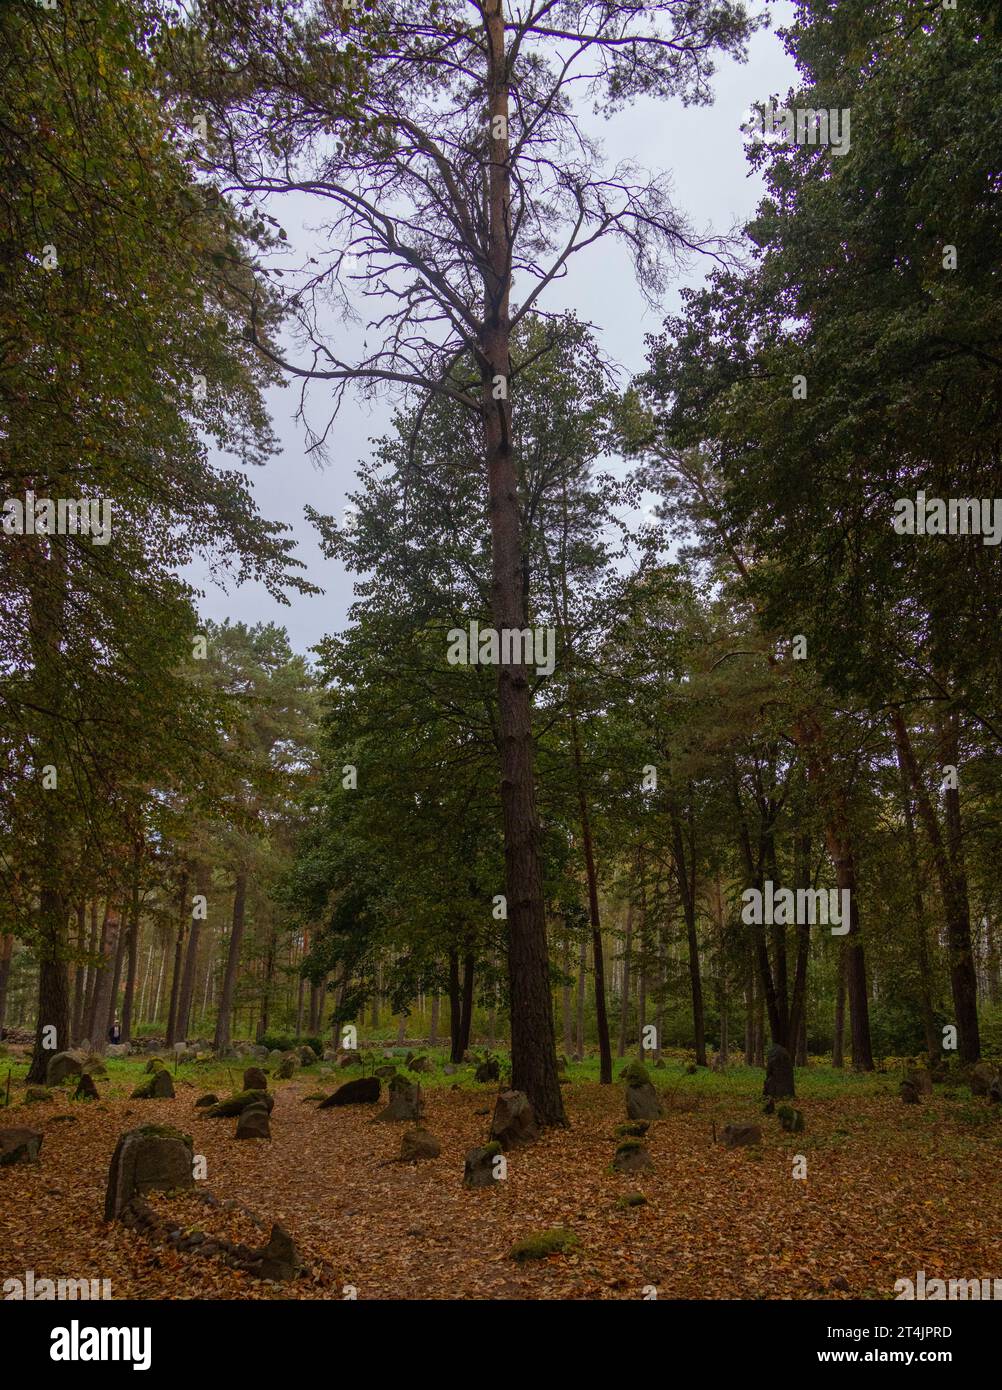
[533, 1045]
[221, 1040]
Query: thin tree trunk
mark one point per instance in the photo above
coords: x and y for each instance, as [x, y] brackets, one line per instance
[222, 1040]
[132, 936]
[582, 972]
[685, 869]
[175, 985]
[104, 993]
[79, 974]
[6, 953]
[948, 858]
[467, 1016]
[624, 1005]
[838, 1043]
[436, 1008]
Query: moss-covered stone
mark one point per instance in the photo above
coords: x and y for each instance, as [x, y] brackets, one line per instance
[634, 1073]
[236, 1104]
[632, 1199]
[556, 1241]
[635, 1129]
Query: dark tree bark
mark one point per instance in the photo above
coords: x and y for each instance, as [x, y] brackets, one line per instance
[105, 989]
[685, 872]
[135, 900]
[533, 1042]
[469, 961]
[221, 1040]
[624, 1003]
[948, 858]
[6, 952]
[79, 974]
[838, 1042]
[175, 984]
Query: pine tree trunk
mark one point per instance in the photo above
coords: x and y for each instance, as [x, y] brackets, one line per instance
[222, 1040]
[175, 984]
[104, 993]
[128, 1004]
[533, 1042]
[624, 1003]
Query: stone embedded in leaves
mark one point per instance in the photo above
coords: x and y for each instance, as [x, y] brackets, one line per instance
[778, 1073]
[86, 1089]
[36, 1095]
[557, 1241]
[632, 1157]
[478, 1170]
[363, 1091]
[19, 1146]
[514, 1120]
[982, 1076]
[909, 1093]
[642, 1102]
[418, 1144]
[158, 1086]
[791, 1119]
[153, 1158]
[740, 1136]
[203, 1101]
[281, 1262]
[488, 1071]
[60, 1066]
[253, 1122]
[405, 1101]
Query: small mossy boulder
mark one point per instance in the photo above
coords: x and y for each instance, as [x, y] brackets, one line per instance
[631, 1200]
[36, 1095]
[556, 1241]
[635, 1074]
[204, 1101]
[157, 1086]
[791, 1119]
[633, 1129]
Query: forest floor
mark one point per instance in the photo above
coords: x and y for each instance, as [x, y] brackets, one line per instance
[890, 1190]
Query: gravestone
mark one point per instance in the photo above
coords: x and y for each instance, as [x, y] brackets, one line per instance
[405, 1101]
[253, 1122]
[778, 1073]
[478, 1170]
[255, 1079]
[417, 1145]
[514, 1120]
[153, 1158]
[642, 1101]
[632, 1157]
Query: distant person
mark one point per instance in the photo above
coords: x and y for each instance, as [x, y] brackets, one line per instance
[115, 1032]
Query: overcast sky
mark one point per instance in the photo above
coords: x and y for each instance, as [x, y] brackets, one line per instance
[701, 148]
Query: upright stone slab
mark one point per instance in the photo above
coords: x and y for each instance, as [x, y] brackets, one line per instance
[255, 1079]
[253, 1123]
[778, 1073]
[405, 1101]
[281, 1261]
[514, 1120]
[153, 1158]
[642, 1101]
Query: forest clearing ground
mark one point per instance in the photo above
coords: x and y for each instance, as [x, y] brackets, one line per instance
[891, 1190]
